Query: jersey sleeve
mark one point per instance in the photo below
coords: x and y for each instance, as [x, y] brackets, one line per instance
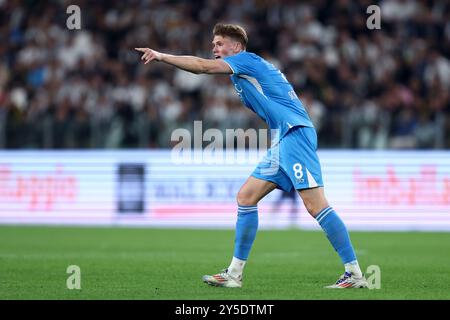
[241, 63]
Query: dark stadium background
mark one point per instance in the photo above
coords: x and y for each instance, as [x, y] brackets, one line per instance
[375, 89]
[80, 102]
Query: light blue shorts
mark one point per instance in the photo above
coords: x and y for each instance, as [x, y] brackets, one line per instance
[293, 162]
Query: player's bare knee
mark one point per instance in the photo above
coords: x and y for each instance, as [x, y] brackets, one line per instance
[245, 198]
[310, 207]
[314, 200]
[314, 207]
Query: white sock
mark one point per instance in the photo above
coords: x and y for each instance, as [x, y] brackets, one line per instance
[353, 267]
[236, 267]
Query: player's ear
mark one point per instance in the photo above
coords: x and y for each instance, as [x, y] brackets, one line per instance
[237, 46]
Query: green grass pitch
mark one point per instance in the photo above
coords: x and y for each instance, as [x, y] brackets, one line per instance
[139, 263]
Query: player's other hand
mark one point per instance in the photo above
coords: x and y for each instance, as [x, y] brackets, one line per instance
[149, 55]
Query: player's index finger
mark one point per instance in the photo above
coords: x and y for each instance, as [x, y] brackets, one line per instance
[140, 49]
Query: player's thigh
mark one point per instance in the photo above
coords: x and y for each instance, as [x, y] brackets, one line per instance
[269, 169]
[253, 190]
[314, 200]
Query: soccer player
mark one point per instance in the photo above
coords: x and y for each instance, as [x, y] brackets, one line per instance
[291, 162]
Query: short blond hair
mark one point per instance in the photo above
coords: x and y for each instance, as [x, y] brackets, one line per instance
[233, 31]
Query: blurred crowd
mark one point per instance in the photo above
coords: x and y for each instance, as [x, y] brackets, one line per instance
[87, 88]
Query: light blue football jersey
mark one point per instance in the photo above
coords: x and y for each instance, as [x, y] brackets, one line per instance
[265, 90]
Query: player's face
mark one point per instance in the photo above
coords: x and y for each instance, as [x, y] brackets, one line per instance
[224, 47]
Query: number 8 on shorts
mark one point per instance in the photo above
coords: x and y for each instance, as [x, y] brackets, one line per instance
[298, 170]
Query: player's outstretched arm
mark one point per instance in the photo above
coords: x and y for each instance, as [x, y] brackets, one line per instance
[189, 63]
